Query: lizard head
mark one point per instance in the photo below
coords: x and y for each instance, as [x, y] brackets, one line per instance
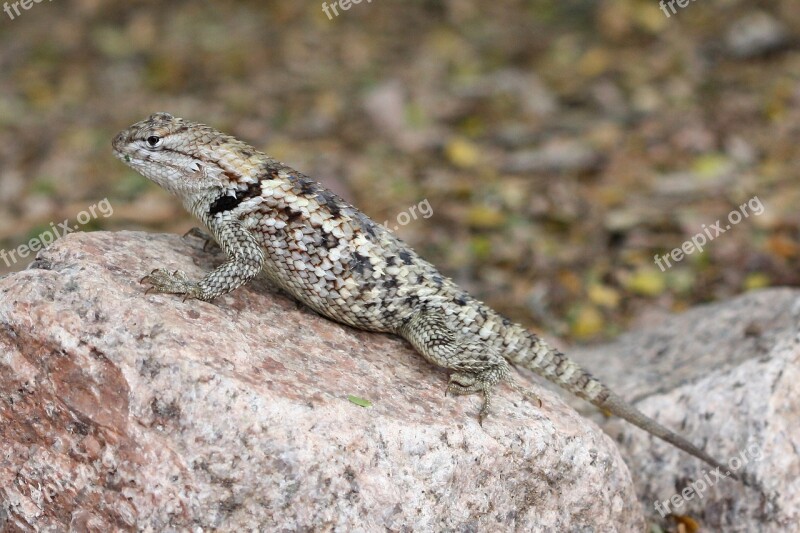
[183, 157]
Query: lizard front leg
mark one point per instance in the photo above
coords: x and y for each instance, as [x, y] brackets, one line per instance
[245, 261]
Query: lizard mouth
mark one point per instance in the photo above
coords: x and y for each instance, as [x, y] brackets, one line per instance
[122, 156]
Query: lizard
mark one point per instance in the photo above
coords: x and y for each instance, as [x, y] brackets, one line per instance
[269, 218]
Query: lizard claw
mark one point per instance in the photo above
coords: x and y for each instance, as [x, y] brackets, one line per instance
[530, 396]
[194, 232]
[151, 274]
[208, 241]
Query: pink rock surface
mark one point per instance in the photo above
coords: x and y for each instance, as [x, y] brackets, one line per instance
[125, 411]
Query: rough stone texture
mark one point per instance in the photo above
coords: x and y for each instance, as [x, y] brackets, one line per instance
[120, 411]
[727, 376]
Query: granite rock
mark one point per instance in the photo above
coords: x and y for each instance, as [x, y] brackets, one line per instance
[725, 375]
[121, 411]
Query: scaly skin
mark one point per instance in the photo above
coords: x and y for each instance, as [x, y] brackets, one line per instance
[270, 218]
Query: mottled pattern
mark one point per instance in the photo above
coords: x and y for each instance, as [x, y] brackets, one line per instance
[330, 256]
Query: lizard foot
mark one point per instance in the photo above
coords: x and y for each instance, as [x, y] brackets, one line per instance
[162, 280]
[484, 383]
[477, 383]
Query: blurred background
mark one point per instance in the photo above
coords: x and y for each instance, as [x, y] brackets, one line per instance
[560, 144]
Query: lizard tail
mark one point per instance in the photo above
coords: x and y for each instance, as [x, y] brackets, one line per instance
[558, 368]
[626, 411]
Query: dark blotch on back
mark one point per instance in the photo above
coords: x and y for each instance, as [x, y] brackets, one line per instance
[331, 201]
[307, 186]
[359, 263]
[412, 300]
[367, 224]
[328, 240]
[291, 214]
[267, 172]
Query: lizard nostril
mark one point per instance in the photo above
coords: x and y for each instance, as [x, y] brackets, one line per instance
[118, 141]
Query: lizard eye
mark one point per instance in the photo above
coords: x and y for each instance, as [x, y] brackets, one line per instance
[154, 141]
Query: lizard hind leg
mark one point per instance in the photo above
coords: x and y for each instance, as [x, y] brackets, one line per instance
[477, 367]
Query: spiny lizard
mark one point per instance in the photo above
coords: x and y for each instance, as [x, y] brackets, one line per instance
[268, 217]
